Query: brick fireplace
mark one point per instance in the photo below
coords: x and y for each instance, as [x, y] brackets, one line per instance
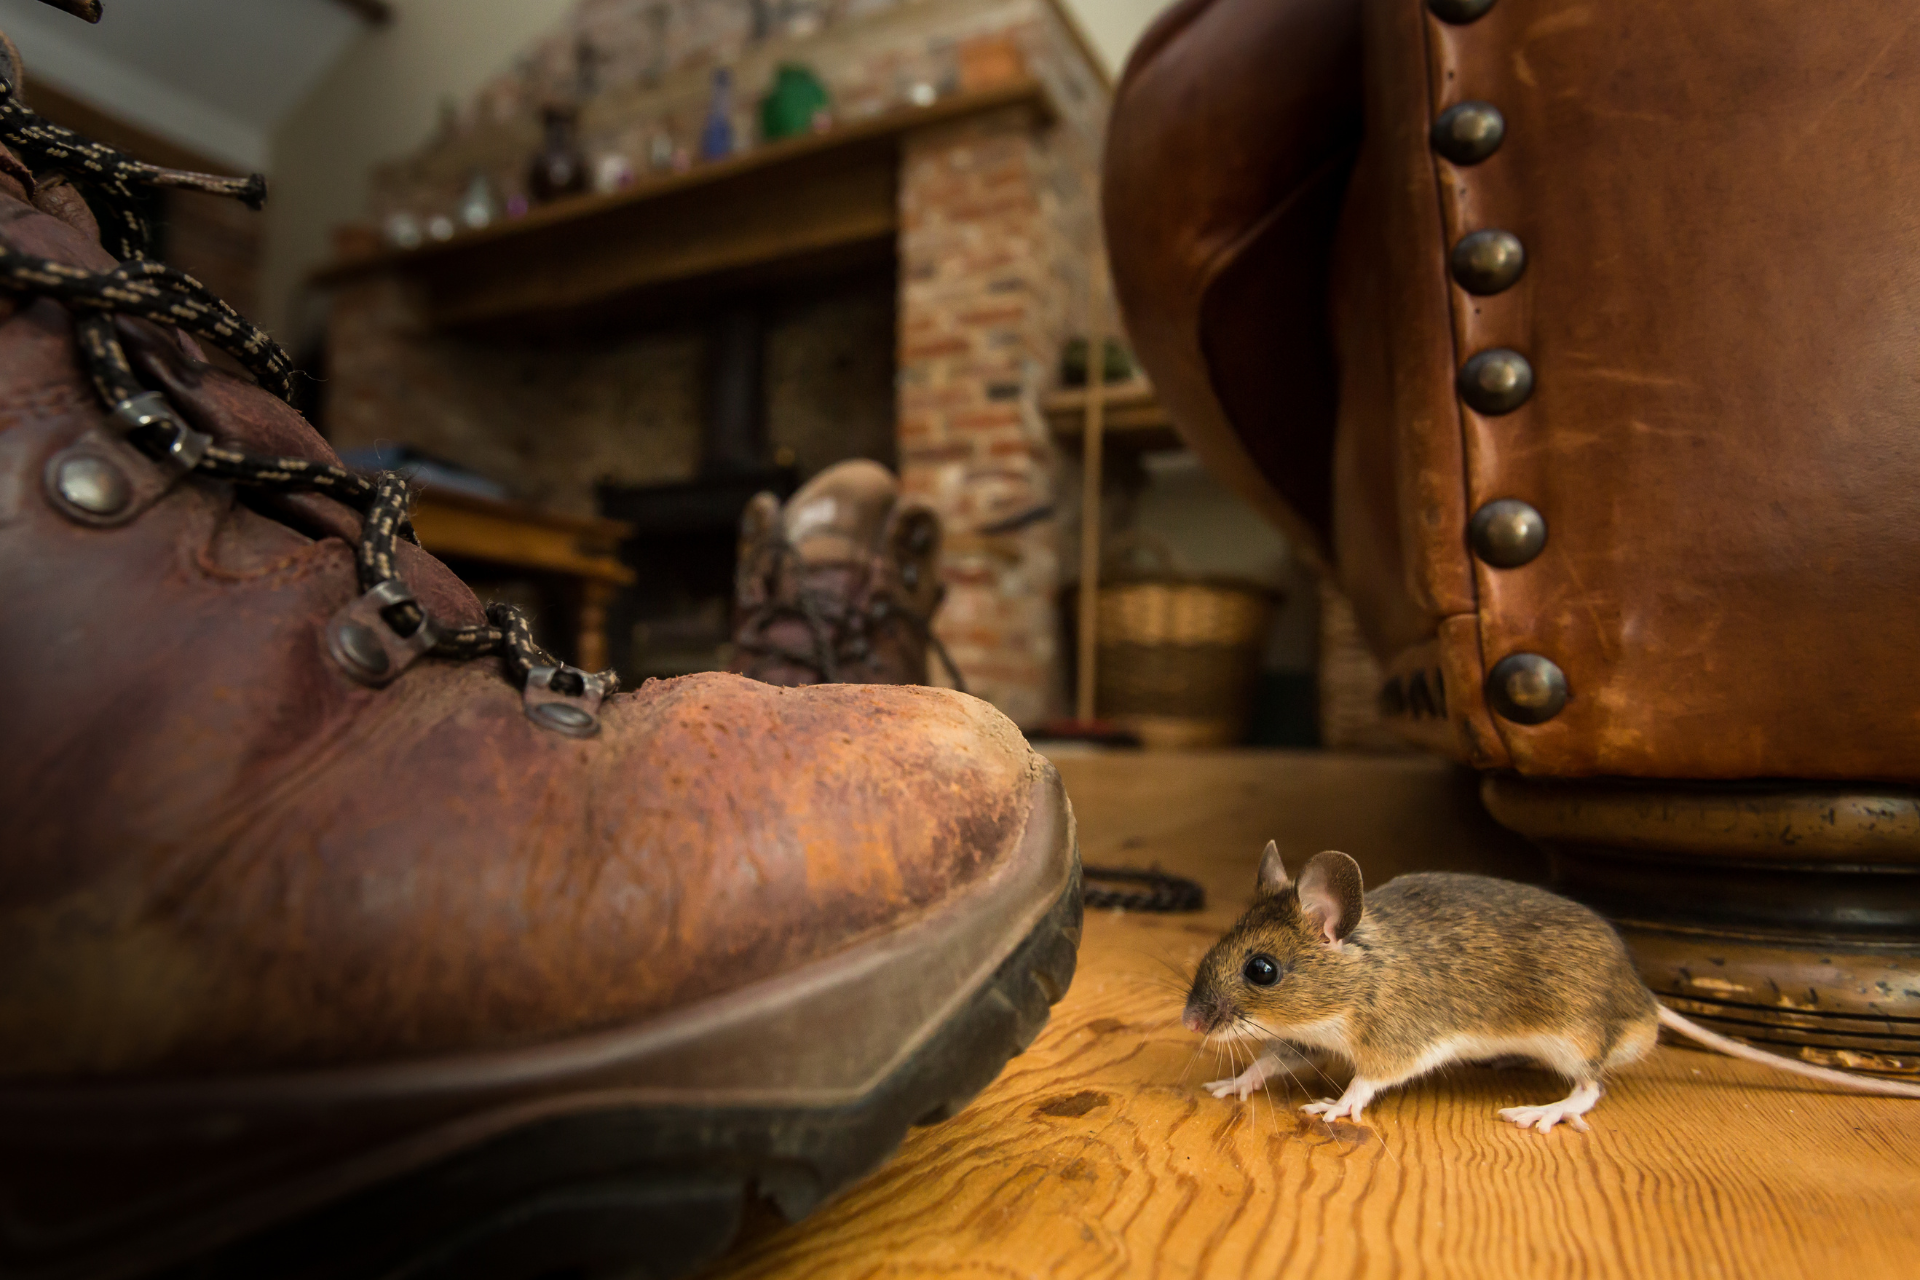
[912, 270]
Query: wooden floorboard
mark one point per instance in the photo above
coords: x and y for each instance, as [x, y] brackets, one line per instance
[1096, 1155]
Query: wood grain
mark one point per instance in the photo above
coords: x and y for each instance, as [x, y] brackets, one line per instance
[1096, 1155]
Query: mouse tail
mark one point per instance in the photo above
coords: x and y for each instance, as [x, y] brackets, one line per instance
[1747, 1053]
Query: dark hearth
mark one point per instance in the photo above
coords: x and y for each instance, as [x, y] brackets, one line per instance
[675, 618]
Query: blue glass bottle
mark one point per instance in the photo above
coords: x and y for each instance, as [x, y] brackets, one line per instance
[716, 136]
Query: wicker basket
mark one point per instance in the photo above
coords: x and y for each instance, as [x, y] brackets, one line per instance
[1179, 656]
[1350, 679]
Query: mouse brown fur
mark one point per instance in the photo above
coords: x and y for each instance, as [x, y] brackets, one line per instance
[1437, 968]
[1431, 969]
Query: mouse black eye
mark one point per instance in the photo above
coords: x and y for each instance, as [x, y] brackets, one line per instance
[1261, 971]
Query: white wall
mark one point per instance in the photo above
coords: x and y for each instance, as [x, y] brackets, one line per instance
[214, 76]
[1113, 25]
[382, 99]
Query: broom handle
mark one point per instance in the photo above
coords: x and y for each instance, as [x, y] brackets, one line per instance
[1092, 439]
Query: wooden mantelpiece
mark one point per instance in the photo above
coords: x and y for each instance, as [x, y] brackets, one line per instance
[780, 210]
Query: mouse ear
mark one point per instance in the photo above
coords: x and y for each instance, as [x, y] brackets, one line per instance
[1331, 895]
[1273, 873]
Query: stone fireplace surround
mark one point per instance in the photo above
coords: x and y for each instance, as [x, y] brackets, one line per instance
[925, 340]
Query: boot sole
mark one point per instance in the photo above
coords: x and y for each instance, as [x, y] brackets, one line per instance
[632, 1153]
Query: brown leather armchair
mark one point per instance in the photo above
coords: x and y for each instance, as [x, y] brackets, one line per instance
[1579, 343]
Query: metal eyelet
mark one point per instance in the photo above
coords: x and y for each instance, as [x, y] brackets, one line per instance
[149, 410]
[577, 715]
[366, 647]
[102, 481]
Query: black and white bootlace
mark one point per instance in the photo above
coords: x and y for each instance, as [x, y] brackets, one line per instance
[375, 637]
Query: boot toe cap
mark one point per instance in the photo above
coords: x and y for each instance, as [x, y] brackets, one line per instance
[804, 818]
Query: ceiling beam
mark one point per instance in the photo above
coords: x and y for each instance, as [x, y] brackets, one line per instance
[375, 12]
[88, 9]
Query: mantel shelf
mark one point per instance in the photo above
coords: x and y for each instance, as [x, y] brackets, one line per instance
[784, 209]
[1133, 418]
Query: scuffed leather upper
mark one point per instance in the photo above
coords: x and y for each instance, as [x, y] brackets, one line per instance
[222, 854]
[1718, 204]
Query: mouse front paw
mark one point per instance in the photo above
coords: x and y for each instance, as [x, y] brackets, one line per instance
[1253, 1078]
[1331, 1109]
[1239, 1087]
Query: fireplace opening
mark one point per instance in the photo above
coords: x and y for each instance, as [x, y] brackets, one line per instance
[793, 381]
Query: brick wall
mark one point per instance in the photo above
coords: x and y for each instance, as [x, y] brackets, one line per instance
[998, 221]
[975, 349]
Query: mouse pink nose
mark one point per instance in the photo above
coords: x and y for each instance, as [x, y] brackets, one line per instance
[1194, 1019]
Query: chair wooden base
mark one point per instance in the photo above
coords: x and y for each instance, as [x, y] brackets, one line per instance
[1785, 915]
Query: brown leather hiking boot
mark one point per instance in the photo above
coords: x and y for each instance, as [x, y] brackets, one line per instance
[840, 585]
[327, 951]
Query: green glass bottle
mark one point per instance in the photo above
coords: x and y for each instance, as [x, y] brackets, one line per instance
[790, 106]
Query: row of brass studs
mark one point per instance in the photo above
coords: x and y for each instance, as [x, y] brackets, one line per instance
[1505, 533]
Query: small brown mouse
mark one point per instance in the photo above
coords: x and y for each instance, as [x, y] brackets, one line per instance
[1436, 968]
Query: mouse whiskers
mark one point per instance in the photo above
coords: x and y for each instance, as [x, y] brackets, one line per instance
[1174, 992]
[1174, 979]
[1221, 1050]
[1233, 1117]
[1384, 1147]
[1192, 1058]
[1177, 975]
[1325, 1079]
[1257, 1044]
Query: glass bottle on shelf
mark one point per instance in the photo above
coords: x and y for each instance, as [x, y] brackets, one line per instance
[559, 168]
[716, 135]
[478, 208]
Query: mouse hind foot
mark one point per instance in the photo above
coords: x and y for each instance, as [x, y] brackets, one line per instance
[1570, 1109]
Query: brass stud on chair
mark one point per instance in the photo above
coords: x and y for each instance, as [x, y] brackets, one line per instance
[1459, 12]
[1507, 533]
[1496, 381]
[1469, 132]
[1526, 688]
[1488, 261]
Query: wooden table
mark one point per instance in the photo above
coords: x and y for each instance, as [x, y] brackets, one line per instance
[1096, 1155]
[582, 552]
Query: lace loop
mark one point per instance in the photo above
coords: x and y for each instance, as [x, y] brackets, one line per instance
[381, 632]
